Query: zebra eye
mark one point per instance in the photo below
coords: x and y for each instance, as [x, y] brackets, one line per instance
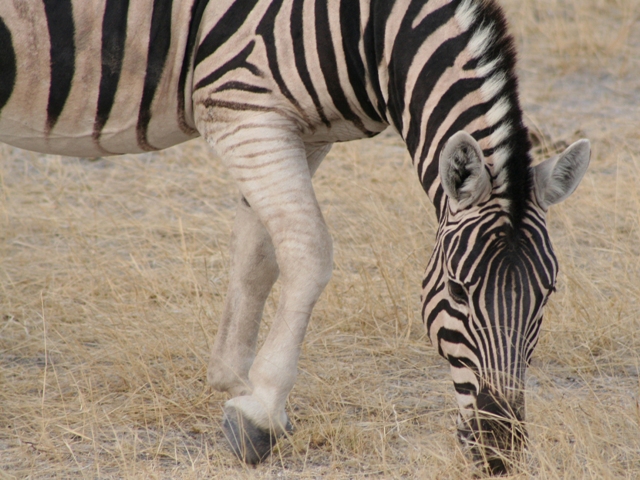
[457, 292]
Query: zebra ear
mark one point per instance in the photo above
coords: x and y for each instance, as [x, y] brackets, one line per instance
[557, 177]
[463, 174]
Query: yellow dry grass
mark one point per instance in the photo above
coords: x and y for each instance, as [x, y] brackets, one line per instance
[113, 272]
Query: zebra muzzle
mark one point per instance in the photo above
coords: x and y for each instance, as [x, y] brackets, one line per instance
[494, 434]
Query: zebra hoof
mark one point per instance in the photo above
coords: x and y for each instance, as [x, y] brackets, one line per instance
[250, 443]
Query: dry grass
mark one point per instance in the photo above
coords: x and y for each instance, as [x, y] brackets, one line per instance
[112, 275]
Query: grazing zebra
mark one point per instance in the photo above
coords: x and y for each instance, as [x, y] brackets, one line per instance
[270, 85]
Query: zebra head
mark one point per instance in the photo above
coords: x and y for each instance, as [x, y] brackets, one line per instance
[486, 285]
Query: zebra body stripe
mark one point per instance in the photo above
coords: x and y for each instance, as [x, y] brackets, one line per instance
[114, 35]
[94, 49]
[63, 52]
[7, 65]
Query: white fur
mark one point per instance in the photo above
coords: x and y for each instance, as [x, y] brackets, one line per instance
[485, 69]
[501, 134]
[481, 41]
[493, 86]
[466, 14]
[498, 111]
[500, 157]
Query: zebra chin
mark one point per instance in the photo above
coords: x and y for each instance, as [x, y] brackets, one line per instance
[492, 430]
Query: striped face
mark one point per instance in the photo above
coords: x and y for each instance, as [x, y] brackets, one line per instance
[483, 295]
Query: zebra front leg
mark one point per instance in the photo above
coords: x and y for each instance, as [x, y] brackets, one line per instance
[273, 170]
[303, 248]
[253, 422]
[254, 270]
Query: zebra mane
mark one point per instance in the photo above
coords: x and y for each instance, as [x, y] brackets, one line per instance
[512, 171]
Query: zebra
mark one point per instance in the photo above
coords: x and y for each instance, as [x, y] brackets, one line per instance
[271, 85]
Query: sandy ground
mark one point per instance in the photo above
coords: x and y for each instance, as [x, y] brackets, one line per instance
[113, 272]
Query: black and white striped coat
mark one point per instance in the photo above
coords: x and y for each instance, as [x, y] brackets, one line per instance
[271, 84]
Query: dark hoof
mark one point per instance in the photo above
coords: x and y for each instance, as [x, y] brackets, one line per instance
[250, 443]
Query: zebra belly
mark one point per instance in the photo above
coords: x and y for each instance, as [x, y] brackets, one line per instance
[83, 78]
[21, 132]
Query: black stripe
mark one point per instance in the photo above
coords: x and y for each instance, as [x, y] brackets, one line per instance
[490, 324]
[537, 262]
[239, 61]
[8, 67]
[466, 388]
[373, 37]
[485, 132]
[114, 36]
[443, 58]
[227, 26]
[350, 29]
[462, 362]
[484, 231]
[159, 44]
[59, 15]
[329, 66]
[545, 263]
[300, 59]
[472, 64]
[443, 305]
[533, 334]
[197, 9]
[266, 30]
[405, 46]
[453, 336]
[436, 270]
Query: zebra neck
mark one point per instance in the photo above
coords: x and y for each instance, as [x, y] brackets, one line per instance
[448, 65]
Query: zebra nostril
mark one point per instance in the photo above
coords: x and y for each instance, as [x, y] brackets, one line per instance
[496, 467]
